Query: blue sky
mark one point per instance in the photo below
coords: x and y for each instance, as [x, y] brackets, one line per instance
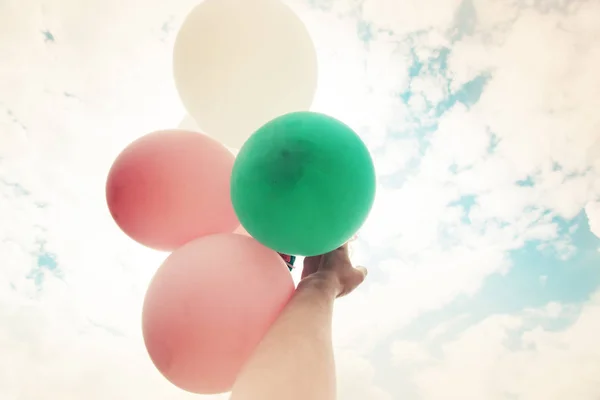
[483, 245]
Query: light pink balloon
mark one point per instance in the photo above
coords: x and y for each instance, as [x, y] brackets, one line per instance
[170, 187]
[209, 305]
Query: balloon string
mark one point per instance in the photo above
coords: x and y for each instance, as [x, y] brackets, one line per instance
[289, 260]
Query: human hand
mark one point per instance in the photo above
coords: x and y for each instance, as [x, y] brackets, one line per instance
[334, 268]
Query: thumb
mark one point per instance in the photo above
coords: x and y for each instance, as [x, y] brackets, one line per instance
[361, 276]
[354, 280]
[363, 270]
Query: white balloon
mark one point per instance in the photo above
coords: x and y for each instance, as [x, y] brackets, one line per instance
[240, 63]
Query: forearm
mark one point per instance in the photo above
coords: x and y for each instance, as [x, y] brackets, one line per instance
[295, 358]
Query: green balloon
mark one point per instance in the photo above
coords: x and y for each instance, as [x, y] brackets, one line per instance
[303, 184]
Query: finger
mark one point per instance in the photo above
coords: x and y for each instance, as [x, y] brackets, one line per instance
[363, 270]
[311, 265]
[359, 277]
[343, 249]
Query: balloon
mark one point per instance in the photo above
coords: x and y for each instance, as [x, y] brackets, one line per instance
[303, 184]
[208, 307]
[170, 187]
[240, 63]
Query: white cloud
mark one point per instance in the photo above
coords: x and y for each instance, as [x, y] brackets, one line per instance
[461, 139]
[357, 83]
[527, 105]
[356, 378]
[515, 355]
[416, 285]
[409, 353]
[593, 214]
[404, 17]
[445, 327]
[539, 103]
[539, 100]
[431, 87]
[396, 155]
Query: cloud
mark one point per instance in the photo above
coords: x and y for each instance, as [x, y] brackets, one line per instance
[396, 156]
[593, 214]
[462, 139]
[358, 83]
[356, 378]
[409, 353]
[538, 100]
[514, 152]
[516, 355]
[410, 16]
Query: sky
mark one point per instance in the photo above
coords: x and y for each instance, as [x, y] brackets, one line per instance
[483, 245]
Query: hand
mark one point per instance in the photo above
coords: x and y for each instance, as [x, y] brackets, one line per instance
[334, 268]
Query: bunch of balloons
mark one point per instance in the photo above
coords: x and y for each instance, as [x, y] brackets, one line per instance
[302, 184]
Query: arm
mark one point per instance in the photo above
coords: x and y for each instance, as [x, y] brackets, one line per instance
[294, 361]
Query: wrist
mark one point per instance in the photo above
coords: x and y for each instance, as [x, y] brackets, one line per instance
[323, 282]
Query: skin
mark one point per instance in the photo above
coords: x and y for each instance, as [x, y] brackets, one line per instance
[295, 361]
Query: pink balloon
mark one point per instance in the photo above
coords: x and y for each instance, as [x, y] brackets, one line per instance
[170, 187]
[209, 305]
